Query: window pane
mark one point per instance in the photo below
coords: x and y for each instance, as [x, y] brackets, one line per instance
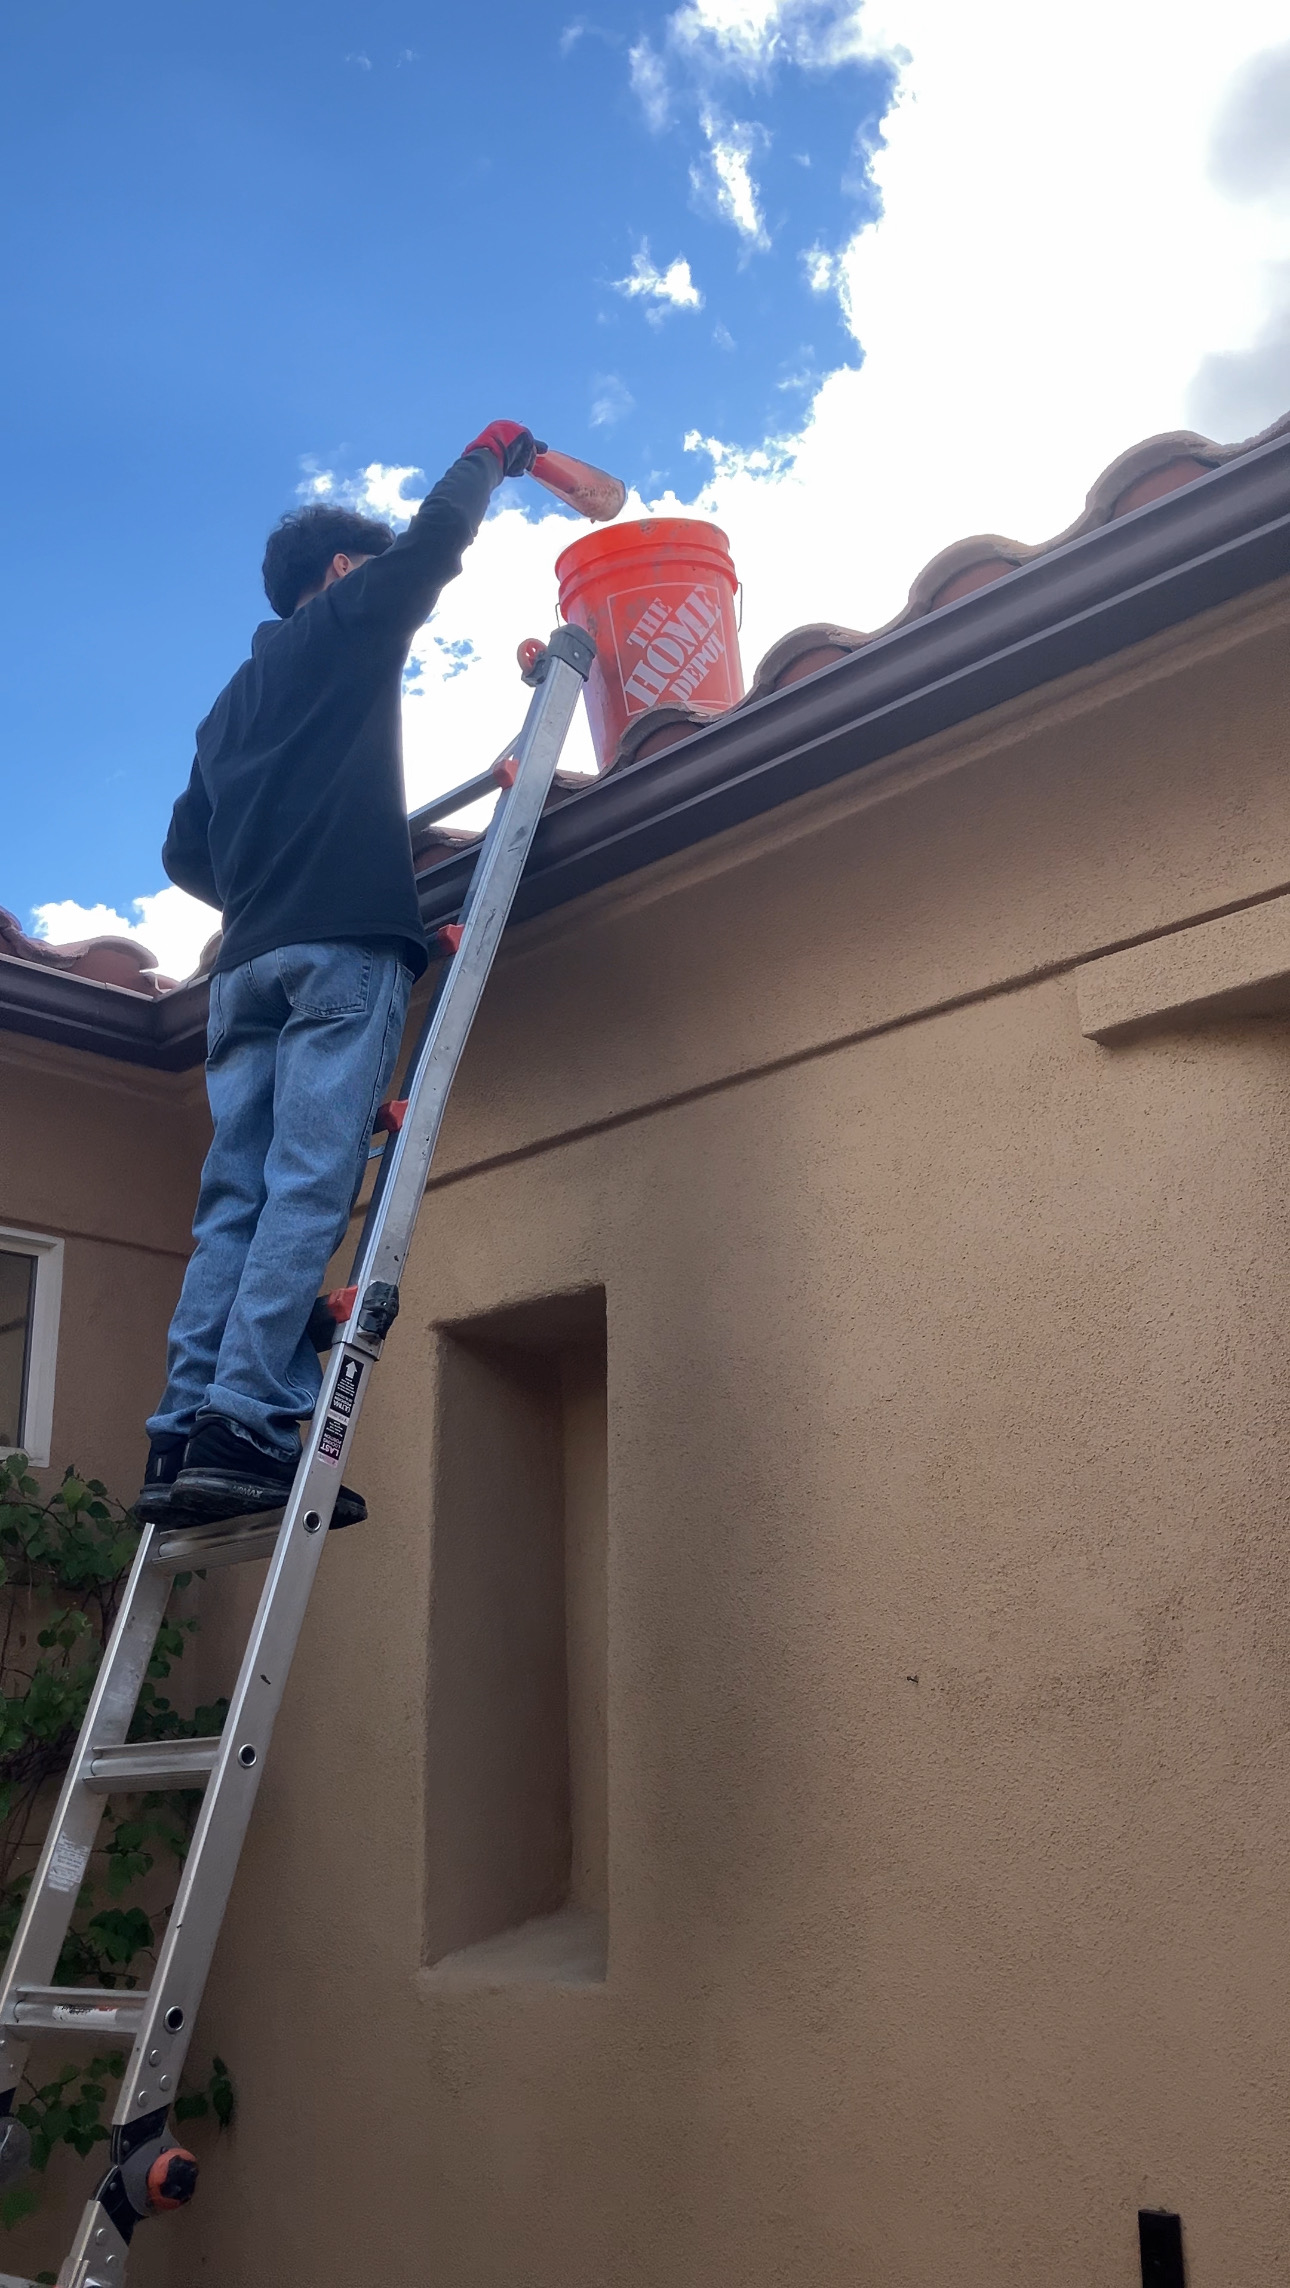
[17, 1287]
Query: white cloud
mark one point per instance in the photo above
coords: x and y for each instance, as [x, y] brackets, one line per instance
[1055, 265]
[1013, 345]
[725, 178]
[670, 289]
[172, 925]
[377, 490]
[1250, 145]
[612, 401]
[753, 36]
[821, 269]
[649, 82]
[1246, 388]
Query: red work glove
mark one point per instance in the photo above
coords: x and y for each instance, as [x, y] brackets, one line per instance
[514, 446]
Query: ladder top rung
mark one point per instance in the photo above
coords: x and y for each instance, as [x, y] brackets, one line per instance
[149, 1763]
[92, 2010]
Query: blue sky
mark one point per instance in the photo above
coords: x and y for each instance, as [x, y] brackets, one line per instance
[947, 259]
[255, 233]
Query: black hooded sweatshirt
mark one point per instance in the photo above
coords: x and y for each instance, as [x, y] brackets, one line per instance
[294, 820]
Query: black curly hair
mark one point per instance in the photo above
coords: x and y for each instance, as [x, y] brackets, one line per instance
[302, 545]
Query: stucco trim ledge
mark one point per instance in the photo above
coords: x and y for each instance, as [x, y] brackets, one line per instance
[1235, 966]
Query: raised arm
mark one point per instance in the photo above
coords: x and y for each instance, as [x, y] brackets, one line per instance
[396, 592]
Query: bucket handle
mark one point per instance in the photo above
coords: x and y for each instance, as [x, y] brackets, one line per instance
[739, 599]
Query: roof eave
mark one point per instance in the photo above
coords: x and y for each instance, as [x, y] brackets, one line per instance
[1215, 539]
[168, 1034]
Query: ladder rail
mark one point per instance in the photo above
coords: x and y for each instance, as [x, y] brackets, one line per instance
[162, 2019]
[405, 1163]
[60, 1870]
[193, 1929]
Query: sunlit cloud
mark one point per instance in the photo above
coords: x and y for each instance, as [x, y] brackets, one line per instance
[173, 926]
[670, 289]
[821, 269]
[650, 85]
[752, 37]
[377, 490]
[724, 179]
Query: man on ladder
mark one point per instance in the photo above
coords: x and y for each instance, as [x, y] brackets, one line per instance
[294, 824]
[294, 821]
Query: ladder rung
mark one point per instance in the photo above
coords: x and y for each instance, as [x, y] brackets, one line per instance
[196, 1548]
[150, 1764]
[96, 2010]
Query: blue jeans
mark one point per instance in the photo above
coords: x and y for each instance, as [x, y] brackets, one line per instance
[301, 1044]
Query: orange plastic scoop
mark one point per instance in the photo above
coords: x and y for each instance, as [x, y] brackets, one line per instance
[590, 490]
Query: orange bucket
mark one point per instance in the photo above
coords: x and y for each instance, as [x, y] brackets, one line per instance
[658, 601]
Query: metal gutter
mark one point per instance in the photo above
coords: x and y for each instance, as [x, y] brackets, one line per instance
[1217, 538]
[80, 1013]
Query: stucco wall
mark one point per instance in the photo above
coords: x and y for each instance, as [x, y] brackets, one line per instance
[941, 1640]
[104, 1157]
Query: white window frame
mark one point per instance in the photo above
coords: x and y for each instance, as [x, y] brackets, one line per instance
[38, 1408]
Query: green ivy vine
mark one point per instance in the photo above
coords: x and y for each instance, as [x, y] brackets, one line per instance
[63, 1565]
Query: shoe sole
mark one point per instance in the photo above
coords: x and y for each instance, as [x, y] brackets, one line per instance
[212, 1496]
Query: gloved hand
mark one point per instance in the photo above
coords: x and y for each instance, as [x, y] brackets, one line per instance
[514, 446]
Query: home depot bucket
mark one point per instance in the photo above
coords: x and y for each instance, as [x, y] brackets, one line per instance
[658, 601]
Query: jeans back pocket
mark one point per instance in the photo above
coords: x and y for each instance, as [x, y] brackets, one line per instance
[331, 979]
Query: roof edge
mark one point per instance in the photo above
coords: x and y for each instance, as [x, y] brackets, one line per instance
[1155, 567]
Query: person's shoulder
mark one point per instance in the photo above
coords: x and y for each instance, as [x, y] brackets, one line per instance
[264, 636]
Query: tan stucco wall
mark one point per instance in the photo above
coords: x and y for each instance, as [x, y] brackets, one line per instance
[942, 1640]
[105, 1157]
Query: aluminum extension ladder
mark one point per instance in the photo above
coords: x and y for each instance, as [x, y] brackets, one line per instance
[149, 2170]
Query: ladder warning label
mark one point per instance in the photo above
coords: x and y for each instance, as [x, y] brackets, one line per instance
[340, 1414]
[67, 1865]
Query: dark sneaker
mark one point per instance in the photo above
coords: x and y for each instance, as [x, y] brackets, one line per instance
[156, 1498]
[225, 1476]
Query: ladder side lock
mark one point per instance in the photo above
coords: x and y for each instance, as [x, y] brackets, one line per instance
[380, 1309]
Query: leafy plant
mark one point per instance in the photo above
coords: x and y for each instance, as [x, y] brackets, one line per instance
[63, 1565]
